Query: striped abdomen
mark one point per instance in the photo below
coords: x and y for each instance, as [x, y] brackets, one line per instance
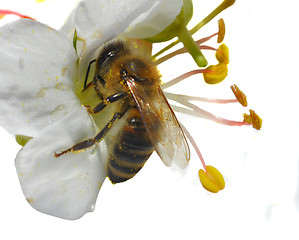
[130, 152]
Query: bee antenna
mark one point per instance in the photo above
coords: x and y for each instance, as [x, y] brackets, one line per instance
[87, 73]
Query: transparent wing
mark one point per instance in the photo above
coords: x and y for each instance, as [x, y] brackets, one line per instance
[161, 124]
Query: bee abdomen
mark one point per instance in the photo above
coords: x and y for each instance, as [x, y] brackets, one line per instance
[130, 153]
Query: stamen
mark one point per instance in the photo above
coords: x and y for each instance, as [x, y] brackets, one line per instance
[225, 4]
[199, 112]
[210, 178]
[170, 55]
[222, 54]
[220, 38]
[182, 77]
[4, 12]
[240, 96]
[184, 50]
[215, 73]
[205, 47]
[221, 32]
[201, 99]
[205, 39]
[253, 119]
[192, 141]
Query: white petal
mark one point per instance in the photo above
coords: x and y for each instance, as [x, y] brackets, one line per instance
[97, 22]
[106, 19]
[155, 20]
[38, 67]
[68, 28]
[67, 186]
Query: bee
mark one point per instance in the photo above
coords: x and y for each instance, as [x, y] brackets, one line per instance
[128, 85]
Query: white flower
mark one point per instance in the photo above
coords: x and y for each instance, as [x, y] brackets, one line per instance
[38, 71]
[159, 16]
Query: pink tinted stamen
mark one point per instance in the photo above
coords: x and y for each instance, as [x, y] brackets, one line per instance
[192, 141]
[182, 77]
[201, 99]
[9, 12]
[207, 115]
[202, 40]
[184, 50]
[196, 111]
[205, 47]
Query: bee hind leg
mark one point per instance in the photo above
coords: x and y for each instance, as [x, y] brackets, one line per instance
[78, 147]
[91, 141]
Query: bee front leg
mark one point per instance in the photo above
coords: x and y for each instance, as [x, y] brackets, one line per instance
[91, 141]
[113, 98]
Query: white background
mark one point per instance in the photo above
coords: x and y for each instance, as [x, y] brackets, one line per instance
[261, 198]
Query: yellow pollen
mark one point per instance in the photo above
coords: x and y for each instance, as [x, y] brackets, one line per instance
[253, 119]
[215, 73]
[212, 180]
[222, 54]
[240, 96]
[221, 32]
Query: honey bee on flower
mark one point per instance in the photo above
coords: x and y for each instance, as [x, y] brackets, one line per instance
[88, 101]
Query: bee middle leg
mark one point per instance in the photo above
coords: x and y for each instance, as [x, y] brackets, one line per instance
[91, 141]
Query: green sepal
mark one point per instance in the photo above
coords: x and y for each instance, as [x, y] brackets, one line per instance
[75, 39]
[22, 140]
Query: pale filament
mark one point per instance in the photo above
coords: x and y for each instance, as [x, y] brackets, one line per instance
[201, 99]
[181, 78]
[199, 112]
[184, 50]
[192, 141]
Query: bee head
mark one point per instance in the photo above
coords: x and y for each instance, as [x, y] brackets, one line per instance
[140, 70]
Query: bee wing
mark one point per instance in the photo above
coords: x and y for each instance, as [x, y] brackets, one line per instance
[169, 140]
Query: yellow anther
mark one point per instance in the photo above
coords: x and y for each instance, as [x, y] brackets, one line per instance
[256, 120]
[215, 73]
[222, 54]
[221, 32]
[240, 96]
[212, 180]
[247, 118]
[253, 119]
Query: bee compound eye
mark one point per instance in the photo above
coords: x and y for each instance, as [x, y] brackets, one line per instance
[136, 69]
[110, 53]
[140, 79]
